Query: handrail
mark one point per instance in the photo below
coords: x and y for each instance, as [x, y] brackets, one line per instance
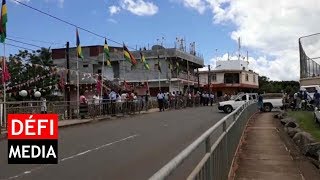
[166, 170]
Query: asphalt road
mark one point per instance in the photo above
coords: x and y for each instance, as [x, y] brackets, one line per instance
[132, 148]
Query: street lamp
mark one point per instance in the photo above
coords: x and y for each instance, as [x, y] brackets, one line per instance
[23, 93]
[37, 94]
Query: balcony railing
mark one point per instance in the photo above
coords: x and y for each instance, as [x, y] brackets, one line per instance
[185, 76]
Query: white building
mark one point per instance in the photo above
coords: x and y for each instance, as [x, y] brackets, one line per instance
[230, 77]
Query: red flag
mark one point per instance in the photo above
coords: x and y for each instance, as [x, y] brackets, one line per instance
[5, 71]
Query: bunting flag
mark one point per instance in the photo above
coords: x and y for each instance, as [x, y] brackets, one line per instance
[128, 56]
[79, 50]
[5, 71]
[107, 53]
[159, 65]
[143, 60]
[4, 19]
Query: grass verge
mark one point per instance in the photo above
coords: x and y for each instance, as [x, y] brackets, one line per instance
[306, 122]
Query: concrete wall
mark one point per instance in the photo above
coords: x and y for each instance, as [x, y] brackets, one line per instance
[232, 65]
[122, 69]
[252, 78]
[220, 77]
[310, 81]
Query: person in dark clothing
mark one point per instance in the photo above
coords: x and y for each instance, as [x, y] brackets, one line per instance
[105, 102]
[316, 98]
[160, 98]
[305, 98]
[260, 102]
[147, 100]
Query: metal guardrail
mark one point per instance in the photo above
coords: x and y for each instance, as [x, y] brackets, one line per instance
[69, 110]
[218, 158]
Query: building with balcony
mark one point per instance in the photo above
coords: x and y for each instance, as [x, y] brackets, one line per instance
[135, 77]
[230, 77]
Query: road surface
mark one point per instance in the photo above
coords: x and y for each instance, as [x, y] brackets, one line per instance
[130, 148]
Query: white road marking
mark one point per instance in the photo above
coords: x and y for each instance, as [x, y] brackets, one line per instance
[73, 156]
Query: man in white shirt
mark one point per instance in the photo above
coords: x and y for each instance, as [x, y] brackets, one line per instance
[160, 98]
[113, 97]
[96, 99]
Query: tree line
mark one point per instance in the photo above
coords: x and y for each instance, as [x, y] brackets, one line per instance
[268, 86]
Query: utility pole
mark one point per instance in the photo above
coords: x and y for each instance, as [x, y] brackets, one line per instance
[67, 90]
[209, 78]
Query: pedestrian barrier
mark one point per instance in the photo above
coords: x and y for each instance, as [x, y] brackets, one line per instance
[219, 155]
[69, 109]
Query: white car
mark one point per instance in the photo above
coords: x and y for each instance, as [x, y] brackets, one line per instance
[268, 104]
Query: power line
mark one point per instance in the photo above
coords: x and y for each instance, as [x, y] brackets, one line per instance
[24, 43]
[19, 47]
[69, 23]
[34, 40]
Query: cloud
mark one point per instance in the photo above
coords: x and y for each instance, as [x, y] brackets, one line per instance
[23, 1]
[271, 28]
[198, 5]
[112, 20]
[114, 10]
[139, 7]
[60, 2]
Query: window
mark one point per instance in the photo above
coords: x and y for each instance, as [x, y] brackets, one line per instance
[99, 71]
[244, 97]
[247, 77]
[214, 77]
[85, 65]
[231, 78]
[311, 89]
[254, 78]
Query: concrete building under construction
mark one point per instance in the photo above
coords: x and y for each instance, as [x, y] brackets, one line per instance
[179, 77]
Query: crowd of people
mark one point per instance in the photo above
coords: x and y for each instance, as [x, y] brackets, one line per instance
[301, 100]
[111, 101]
[168, 100]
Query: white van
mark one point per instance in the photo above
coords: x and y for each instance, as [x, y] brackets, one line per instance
[311, 89]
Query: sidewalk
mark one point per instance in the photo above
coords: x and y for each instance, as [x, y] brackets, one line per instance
[263, 154]
[73, 122]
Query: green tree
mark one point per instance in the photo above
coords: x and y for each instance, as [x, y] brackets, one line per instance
[25, 66]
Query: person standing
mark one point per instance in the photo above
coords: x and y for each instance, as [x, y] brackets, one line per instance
[43, 105]
[106, 103]
[113, 98]
[160, 98]
[316, 97]
[260, 102]
[96, 100]
[83, 109]
[146, 99]
[299, 100]
[211, 98]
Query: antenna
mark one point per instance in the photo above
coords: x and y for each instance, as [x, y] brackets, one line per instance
[239, 48]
